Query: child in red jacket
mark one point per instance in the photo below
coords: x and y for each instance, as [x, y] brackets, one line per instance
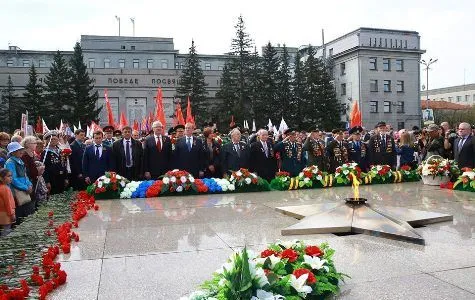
[7, 203]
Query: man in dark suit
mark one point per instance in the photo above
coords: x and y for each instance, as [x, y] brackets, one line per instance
[75, 160]
[189, 153]
[357, 149]
[157, 153]
[97, 159]
[234, 155]
[262, 158]
[291, 153]
[315, 148]
[127, 155]
[464, 147]
[337, 150]
[381, 147]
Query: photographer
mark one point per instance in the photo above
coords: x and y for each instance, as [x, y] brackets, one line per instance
[449, 137]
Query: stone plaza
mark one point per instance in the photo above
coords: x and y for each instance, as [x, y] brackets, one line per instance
[164, 248]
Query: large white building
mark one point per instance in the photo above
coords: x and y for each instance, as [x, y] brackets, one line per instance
[460, 94]
[378, 67]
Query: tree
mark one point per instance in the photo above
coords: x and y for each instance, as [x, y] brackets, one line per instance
[34, 101]
[284, 82]
[83, 99]
[226, 93]
[298, 93]
[58, 91]
[255, 84]
[192, 83]
[267, 107]
[7, 108]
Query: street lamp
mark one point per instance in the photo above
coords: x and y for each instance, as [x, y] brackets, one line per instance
[427, 64]
[118, 19]
[133, 26]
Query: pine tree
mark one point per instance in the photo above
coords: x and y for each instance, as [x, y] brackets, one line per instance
[312, 114]
[267, 107]
[284, 82]
[34, 101]
[192, 83]
[255, 84]
[8, 108]
[329, 106]
[58, 91]
[227, 94]
[83, 99]
[298, 98]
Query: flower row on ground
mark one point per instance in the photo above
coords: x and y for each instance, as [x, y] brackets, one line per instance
[285, 270]
[27, 266]
[112, 186]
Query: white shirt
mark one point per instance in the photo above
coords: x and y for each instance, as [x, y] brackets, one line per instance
[189, 138]
[264, 146]
[100, 149]
[159, 138]
[130, 149]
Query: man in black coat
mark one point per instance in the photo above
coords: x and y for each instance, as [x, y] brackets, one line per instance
[127, 155]
[381, 147]
[464, 147]
[357, 149]
[262, 157]
[234, 155]
[157, 153]
[75, 160]
[189, 153]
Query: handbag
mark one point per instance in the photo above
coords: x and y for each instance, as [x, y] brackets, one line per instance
[21, 197]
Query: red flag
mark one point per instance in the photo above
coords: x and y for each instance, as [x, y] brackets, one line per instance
[39, 125]
[189, 117]
[179, 115]
[232, 121]
[136, 125]
[160, 112]
[95, 127]
[355, 115]
[110, 115]
[123, 121]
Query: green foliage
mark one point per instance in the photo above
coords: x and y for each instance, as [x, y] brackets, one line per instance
[83, 99]
[9, 110]
[296, 108]
[284, 89]
[34, 100]
[192, 83]
[266, 107]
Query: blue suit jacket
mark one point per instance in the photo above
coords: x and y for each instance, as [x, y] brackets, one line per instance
[94, 168]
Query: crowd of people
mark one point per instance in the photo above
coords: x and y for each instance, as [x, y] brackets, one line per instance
[34, 167]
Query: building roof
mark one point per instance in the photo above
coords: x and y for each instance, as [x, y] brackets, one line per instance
[452, 89]
[443, 105]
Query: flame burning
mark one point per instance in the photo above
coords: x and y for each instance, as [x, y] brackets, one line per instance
[356, 183]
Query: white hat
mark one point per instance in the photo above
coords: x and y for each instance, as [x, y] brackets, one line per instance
[13, 147]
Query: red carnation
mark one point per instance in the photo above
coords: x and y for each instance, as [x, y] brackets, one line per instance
[96, 207]
[290, 254]
[310, 279]
[267, 253]
[313, 251]
[50, 214]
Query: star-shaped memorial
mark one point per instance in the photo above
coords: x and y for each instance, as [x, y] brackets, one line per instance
[360, 217]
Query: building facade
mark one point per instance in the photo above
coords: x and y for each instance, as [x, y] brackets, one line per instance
[460, 94]
[380, 69]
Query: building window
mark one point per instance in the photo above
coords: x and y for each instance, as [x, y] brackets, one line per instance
[135, 64]
[164, 63]
[373, 63]
[330, 52]
[42, 63]
[386, 64]
[343, 89]
[342, 69]
[373, 106]
[459, 98]
[9, 63]
[26, 63]
[400, 86]
[442, 99]
[132, 47]
[387, 106]
[373, 85]
[122, 63]
[207, 66]
[400, 125]
[451, 99]
[399, 65]
[92, 63]
[122, 47]
[107, 63]
[149, 63]
[177, 65]
[182, 65]
[400, 107]
[387, 86]
[220, 68]
[467, 98]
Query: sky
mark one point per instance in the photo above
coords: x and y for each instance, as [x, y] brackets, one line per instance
[446, 28]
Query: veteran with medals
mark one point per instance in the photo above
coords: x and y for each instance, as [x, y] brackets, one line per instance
[315, 147]
[381, 147]
[291, 153]
[337, 150]
[55, 175]
[357, 149]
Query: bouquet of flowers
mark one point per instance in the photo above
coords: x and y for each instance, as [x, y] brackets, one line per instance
[281, 181]
[380, 174]
[129, 189]
[245, 181]
[181, 182]
[108, 186]
[466, 181]
[436, 170]
[285, 270]
[218, 185]
[408, 174]
[311, 177]
[342, 174]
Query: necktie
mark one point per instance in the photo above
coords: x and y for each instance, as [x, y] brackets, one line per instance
[98, 156]
[238, 151]
[188, 143]
[383, 141]
[462, 140]
[159, 145]
[265, 148]
[128, 161]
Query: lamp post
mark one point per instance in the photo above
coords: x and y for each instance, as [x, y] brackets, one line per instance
[133, 26]
[427, 64]
[118, 19]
